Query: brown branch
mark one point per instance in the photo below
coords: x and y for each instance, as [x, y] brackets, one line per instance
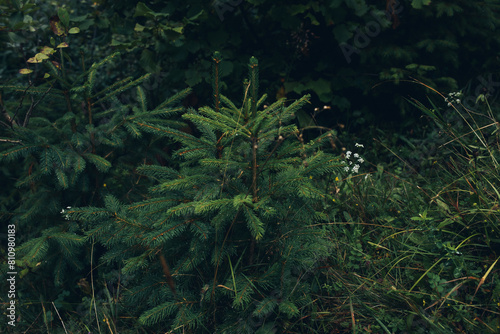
[254, 169]
[33, 106]
[166, 271]
[10, 141]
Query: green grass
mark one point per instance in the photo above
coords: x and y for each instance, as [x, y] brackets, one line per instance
[418, 251]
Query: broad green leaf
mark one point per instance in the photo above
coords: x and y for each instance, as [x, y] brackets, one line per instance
[80, 18]
[417, 4]
[176, 29]
[142, 10]
[15, 38]
[17, 4]
[63, 16]
[74, 30]
[195, 17]
[297, 9]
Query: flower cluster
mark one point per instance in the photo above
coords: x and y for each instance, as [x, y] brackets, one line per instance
[354, 164]
[453, 98]
[65, 215]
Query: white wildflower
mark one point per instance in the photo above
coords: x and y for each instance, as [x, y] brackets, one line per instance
[65, 215]
[354, 164]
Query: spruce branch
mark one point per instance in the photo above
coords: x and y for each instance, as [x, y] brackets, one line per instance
[254, 82]
[12, 119]
[33, 106]
[254, 168]
[177, 97]
[217, 59]
[166, 271]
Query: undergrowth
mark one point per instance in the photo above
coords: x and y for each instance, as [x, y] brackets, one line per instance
[418, 251]
[242, 225]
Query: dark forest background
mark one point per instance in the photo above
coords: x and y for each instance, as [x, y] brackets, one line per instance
[91, 98]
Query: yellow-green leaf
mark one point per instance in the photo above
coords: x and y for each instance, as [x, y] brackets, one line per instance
[38, 58]
[41, 56]
[25, 71]
[178, 29]
[139, 27]
[74, 30]
[46, 50]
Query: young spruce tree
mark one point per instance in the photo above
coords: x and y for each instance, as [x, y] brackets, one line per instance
[225, 243]
[65, 140]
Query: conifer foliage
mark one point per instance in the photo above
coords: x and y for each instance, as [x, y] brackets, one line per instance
[227, 241]
[65, 139]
